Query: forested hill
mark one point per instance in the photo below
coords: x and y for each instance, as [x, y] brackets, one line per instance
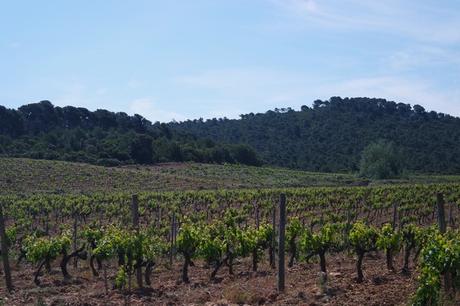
[42, 131]
[331, 135]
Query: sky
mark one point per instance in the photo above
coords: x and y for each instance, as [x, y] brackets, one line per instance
[187, 59]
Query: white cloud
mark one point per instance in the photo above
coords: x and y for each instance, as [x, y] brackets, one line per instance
[258, 90]
[238, 91]
[243, 82]
[298, 5]
[225, 111]
[399, 89]
[415, 20]
[73, 94]
[147, 108]
[423, 56]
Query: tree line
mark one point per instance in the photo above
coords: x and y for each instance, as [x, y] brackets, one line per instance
[43, 131]
[331, 135]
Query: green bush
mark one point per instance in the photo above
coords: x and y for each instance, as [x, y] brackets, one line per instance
[381, 160]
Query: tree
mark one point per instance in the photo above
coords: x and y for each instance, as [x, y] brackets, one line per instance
[381, 160]
[142, 149]
[244, 154]
[304, 108]
[419, 110]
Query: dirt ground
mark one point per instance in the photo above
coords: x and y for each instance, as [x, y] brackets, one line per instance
[244, 287]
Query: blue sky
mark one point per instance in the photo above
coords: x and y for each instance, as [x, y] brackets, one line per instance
[213, 58]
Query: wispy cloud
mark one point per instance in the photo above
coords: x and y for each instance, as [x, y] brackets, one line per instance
[424, 40]
[423, 56]
[147, 108]
[412, 91]
[299, 6]
[255, 89]
[262, 89]
[421, 22]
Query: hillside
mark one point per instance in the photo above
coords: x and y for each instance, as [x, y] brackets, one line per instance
[20, 175]
[43, 131]
[328, 137]
[331, 135]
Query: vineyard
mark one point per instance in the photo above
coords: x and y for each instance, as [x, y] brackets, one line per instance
[21, 175]
[200, 246]
[25, 176]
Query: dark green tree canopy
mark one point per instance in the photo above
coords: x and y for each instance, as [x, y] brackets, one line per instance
[40, 130]
[331, 135]
[381, 160]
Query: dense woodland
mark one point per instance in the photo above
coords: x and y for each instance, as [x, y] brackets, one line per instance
[331, 135]
[43, 131]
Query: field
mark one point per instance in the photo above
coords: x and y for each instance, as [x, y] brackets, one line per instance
[220, 247]
[19, 175]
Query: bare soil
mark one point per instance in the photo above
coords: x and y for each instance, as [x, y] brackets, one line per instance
[303, 287]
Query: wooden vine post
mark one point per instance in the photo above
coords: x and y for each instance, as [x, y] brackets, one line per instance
[256, 212]
[451, 215]
[273, 242]
[442, 228]
[395, 215]
[4, 249]
[135, 215]
[282, 228]
[74, 238]
[441, 213]
[159, 217]
[172, 239]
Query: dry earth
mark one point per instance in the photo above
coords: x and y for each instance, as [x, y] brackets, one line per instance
[255, 288]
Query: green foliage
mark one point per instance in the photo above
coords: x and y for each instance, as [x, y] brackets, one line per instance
[45, 248]
[211, 246]
[320, 242]
[142, 149]
[92, 234]
[411, 234]
[11, 234]
[254, 239]
[331, 136]
[108, 245]
[389, 239]
[225, 238]
[243, 154]
[296, 139]
[218, 226]
[121, 279]
[363, 237]
[293, 229]
[381, 160]
[189, 238]
[42, 131]
[134, 247]
[440, 255]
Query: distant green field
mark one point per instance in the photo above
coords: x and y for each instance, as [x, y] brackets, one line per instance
[27, 175]
[18, 175]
